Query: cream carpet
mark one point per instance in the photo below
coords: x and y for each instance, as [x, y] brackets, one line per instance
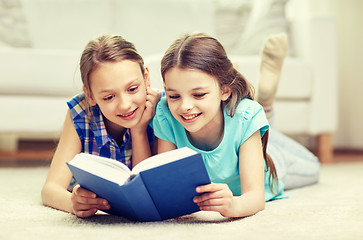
[332, 209]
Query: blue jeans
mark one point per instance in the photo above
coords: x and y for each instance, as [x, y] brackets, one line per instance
[296, 166]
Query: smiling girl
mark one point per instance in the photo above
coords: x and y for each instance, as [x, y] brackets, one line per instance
[109, 118]
[209, 107]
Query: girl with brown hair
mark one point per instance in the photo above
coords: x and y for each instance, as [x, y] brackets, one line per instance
[209, 107]
[109, 118]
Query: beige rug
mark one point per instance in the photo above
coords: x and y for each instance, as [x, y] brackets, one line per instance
[332, 209]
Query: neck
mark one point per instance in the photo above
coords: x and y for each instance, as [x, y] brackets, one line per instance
[115, 131]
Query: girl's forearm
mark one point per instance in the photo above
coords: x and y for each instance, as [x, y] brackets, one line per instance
[56, 197]
[248, 204]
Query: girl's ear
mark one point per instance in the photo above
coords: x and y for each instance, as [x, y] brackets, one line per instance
[89, 97]
[226, 92]
[147, 77]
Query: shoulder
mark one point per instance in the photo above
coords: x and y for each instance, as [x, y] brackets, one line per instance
[162, 115]
[249, 117]
[78, 106]
[248, 108]
[162, 111]
[164, 124]
[246, 111]
[77, 100]
[163, 104]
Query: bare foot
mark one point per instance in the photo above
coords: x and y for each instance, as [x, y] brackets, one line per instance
[272, 58]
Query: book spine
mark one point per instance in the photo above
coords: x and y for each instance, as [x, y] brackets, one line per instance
[172, 186]
[140, 200]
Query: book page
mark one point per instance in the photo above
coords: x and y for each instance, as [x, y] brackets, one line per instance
[106, 168]
[163, 158]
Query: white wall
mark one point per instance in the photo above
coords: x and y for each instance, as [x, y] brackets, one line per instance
[349, 19]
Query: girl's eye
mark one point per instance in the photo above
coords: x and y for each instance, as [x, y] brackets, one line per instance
[108, 98]
[173, 96]
[199, 95]
[133, 89]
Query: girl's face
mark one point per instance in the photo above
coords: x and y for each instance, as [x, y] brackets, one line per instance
[194, 99]
[119, 89]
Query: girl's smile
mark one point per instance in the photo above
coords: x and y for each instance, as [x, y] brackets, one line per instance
[119, 89]
[190, 117]
[128, 116]
[194, 99]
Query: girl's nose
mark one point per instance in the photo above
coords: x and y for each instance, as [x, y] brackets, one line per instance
[186, 105]
[124, 103]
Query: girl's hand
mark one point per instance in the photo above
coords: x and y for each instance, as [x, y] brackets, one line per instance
[217, 197]
[152, 99]
[86, 203]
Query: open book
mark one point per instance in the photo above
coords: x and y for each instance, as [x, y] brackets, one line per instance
[158, 188]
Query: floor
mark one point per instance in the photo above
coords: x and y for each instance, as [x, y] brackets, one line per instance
[31, 153]
[39, 153]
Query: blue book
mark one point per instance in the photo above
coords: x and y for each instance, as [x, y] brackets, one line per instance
[158, 188]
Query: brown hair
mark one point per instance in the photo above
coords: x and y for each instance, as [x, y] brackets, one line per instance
[106, 48]
[205, 53]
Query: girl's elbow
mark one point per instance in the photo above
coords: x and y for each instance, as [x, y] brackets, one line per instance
[258, 204]
[262, 202]
[43, 195]
[46, 195]
[262, 205]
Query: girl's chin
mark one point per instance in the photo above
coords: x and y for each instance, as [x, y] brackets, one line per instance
[131, 123]
[121, 124]
[191, 129]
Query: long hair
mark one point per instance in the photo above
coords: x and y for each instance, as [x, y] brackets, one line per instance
[205, 53]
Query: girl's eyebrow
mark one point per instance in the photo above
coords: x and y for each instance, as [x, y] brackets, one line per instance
[128, 84]
[169, 89]
[194, 89]
[132, 81]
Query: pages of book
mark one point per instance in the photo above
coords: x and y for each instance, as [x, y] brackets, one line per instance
[162, 158]
[106, 168]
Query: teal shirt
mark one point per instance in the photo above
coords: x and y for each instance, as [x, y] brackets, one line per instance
[222, 163]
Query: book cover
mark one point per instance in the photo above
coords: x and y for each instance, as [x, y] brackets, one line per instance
[162, 187]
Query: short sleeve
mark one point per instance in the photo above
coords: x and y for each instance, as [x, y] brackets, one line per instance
[253, 119]
[162, 123]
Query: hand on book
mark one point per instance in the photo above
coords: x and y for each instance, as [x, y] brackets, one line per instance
[86, 203]
[216, 197]
[158, 188]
